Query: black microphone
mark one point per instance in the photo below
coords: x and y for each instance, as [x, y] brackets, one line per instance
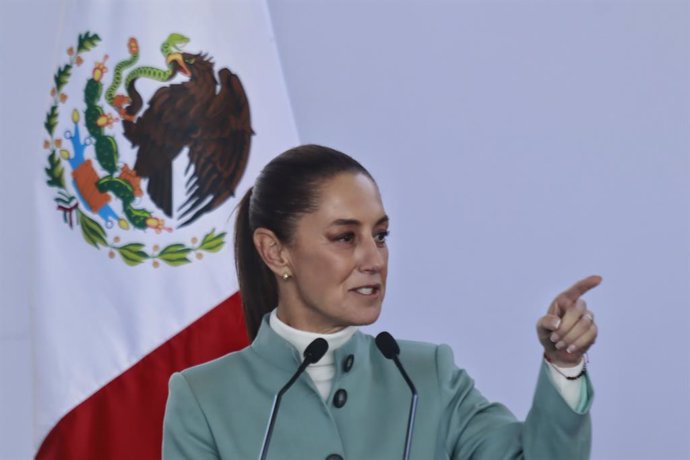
[390, 350]
[312, 354]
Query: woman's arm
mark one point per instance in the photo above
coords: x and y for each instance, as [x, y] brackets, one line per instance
[554, 428]
[480, 430]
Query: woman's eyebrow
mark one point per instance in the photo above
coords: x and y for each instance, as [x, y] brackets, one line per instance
[382, 220]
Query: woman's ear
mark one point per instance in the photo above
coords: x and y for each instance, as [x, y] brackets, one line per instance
[270, 250]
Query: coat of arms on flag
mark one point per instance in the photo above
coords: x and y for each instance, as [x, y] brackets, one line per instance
[148, 144]
[111, 150]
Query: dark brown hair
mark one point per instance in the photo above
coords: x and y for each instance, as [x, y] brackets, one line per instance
[287, 188]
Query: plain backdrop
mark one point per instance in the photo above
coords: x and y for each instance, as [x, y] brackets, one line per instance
[519, 145]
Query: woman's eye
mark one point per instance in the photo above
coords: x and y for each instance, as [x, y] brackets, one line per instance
[381, 237]
[346, 237]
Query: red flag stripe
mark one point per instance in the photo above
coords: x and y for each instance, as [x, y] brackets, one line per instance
[123, 420]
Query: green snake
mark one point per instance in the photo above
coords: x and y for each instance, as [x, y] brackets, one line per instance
[107, 156]
[169, 48]
[125, 192]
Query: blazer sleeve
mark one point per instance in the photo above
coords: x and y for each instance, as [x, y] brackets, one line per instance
[481, 430]
[186, 433]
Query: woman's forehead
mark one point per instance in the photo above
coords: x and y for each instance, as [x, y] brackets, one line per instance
[350, 196]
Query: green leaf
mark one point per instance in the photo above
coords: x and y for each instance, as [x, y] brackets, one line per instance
[55, 171]
[87, 41]
[62, 76]
[64, 198]
[175, 254]
[51, 120]
[63, 201]
[91, 230]
[133, 253]
[212, 242]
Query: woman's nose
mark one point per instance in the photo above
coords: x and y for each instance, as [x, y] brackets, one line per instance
[373, 258]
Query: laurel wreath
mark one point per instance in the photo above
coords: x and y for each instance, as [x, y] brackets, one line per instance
[132, 253]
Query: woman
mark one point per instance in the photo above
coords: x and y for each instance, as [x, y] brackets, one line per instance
[312, 262]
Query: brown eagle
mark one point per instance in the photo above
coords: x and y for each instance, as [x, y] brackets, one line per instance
[209, 116]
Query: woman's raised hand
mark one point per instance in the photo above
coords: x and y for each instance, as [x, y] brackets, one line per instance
[568, 329]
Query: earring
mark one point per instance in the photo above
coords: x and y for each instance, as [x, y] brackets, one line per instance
[286, 276]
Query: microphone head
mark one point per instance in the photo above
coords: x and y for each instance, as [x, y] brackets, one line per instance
[387, 345]
[315, 350]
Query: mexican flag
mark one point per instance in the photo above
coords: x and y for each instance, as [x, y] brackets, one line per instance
[157, 118]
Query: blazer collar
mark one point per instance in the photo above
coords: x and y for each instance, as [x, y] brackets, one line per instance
[281, 354]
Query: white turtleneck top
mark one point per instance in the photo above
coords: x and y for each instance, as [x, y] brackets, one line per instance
[323, 372]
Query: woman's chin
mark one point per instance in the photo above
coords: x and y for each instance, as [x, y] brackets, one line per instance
[367, 317]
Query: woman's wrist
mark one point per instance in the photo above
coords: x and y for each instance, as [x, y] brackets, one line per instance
[570, 371]
[562, 358]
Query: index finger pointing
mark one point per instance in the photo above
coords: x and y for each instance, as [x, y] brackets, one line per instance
[578, 289]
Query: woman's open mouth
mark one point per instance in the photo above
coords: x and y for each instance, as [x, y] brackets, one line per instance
[368, 290]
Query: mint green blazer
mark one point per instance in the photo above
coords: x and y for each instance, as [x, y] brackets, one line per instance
[219, 410]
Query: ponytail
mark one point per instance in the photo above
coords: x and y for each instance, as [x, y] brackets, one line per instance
[258, 288]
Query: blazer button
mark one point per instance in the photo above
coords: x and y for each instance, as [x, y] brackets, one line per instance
[334, 457]
[340, 398]
[347, 364]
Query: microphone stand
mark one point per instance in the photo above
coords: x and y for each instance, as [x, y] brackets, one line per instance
[390, 350]
[413, 409]
[314, 352]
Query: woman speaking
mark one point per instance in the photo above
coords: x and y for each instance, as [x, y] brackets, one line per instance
[312, 261]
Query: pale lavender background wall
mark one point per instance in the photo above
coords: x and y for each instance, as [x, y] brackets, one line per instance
[519, 145]
[18, 53]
